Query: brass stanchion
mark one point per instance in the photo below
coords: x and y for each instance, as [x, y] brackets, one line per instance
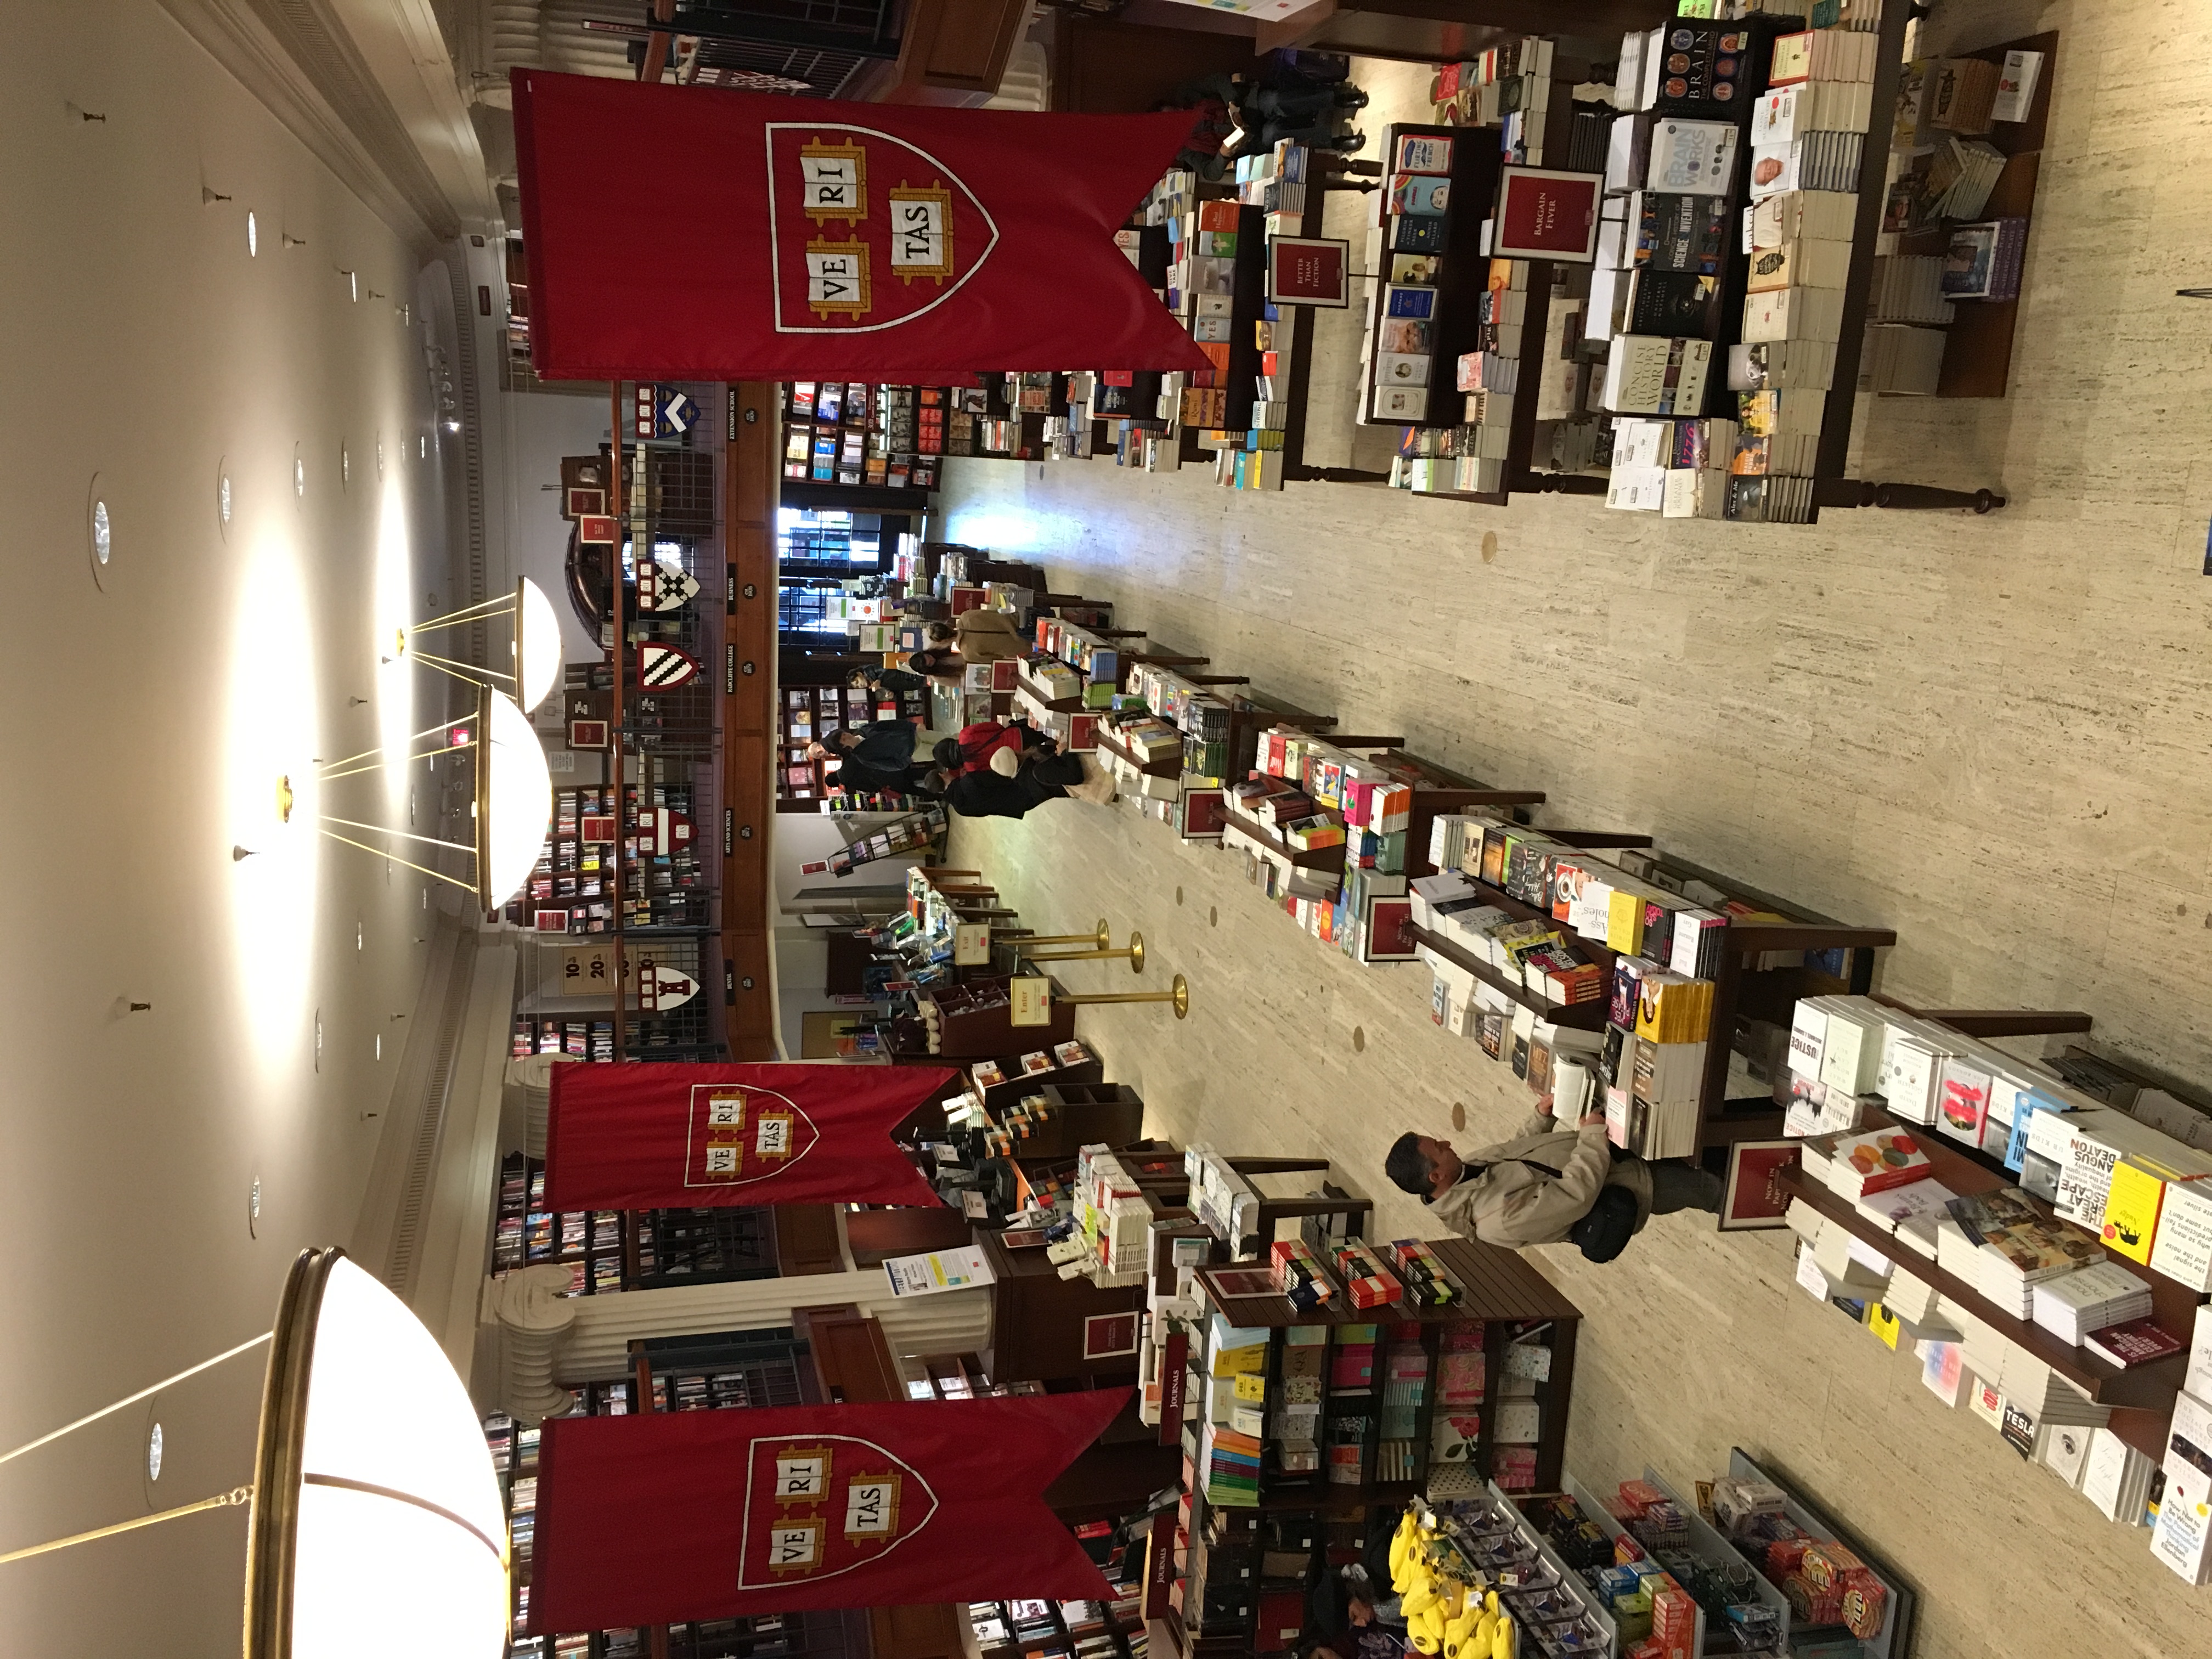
[1180, 996]
[1102, 936]
[1135, 952]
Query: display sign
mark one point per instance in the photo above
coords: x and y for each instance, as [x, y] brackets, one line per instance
[958, 1269]
[1030, 1000]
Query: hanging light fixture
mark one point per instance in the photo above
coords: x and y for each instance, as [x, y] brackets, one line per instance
[371, 1471]
[515, 798]
[512, 802]
[374, 1520]
[534, 646]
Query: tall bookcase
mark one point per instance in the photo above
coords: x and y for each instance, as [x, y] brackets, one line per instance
[855, 432]
[609, 1250]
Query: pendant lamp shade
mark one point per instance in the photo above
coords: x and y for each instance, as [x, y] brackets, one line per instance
[537, 653]
[377, 1526]
[515, 798]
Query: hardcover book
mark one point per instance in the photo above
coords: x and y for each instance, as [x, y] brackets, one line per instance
[2138, 1342]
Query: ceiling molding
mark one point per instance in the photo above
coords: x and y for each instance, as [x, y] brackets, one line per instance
[298, 61]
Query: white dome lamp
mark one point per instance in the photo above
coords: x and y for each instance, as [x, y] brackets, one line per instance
[514, 798]
[369, 1472]
[533, 644]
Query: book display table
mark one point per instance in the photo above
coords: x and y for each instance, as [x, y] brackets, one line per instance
[1290, 1417]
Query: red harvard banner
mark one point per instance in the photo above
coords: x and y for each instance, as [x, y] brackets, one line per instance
[697, 233]
[774, 1509]
[681, 1137]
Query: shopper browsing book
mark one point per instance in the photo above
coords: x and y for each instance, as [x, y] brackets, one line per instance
[1549, 1185]
[1014, 781]
[876, 757]
[980, 636]
[977, 745]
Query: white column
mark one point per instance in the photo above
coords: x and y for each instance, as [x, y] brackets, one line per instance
[550, 1340]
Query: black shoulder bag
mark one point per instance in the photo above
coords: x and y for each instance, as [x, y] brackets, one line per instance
[1607, 1226]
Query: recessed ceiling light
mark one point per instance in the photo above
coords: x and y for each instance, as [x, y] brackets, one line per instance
[153, 1453]
[318, 1039]
[98, 531]
[422, 448]
[380, 456]
[252, 237]
[222, 497]
[345, 466]
[453, 426]
[379, 1045]
[353, 285]
[253, 1208]
[299, 474]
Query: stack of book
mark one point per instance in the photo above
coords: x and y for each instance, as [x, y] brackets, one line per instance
[2104, 1293]
[1901, 361]
[2117, 1478]
[1909, 289]
[1406, 243]
[2004, 1248]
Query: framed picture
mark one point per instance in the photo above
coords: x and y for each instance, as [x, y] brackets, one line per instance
[598, 529]
[1755, 1197]
[1543, 214]
[587, 734]
[587, 503]
[1108, 1336]
[1384, 939]
[1309, 270]
[552, 921]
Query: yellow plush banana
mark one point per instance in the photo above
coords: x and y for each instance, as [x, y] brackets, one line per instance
[1490, 1605]
[1418, 1599]
[1460, 1631]
[1485, 1633]
[1401, 1548]
[1426, 1629]
[1501, 1644]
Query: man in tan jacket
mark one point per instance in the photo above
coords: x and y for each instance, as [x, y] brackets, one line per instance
[1534, 1188]
[982, 635]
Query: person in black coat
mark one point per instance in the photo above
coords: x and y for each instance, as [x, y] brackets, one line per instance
[881, 746]
[986, 794]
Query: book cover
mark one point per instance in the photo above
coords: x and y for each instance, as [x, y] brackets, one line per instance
[1879, 1161]
[2133, 1200]
[1546, 214]
[2136, 1342]
[1679, 232]
[1980, 1215]
[1674, 303]
[2037, 1250]
[1963, 1102]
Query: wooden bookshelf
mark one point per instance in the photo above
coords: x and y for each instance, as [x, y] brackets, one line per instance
[1978, 344]
[1589, 1015]
[2141, 1396]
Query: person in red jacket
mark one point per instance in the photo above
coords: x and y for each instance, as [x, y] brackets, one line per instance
[972, 750]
